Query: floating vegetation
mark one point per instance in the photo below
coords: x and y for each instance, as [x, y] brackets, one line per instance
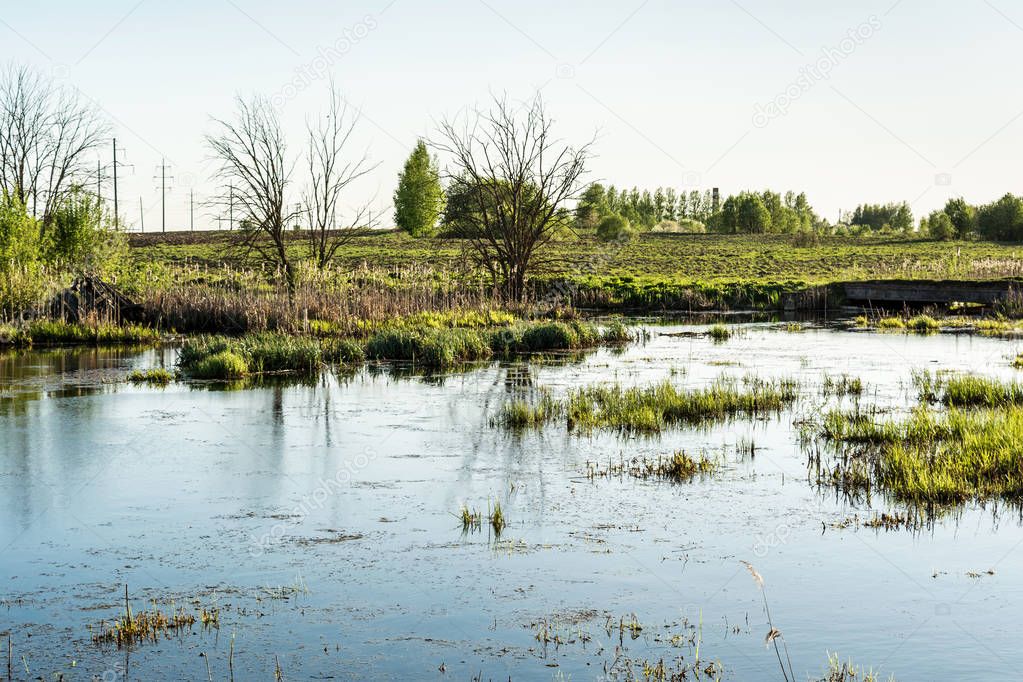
[158, 376]
[1018, 362]
[838, 387]
[719, 333]
[143, 626]
[679, 468]
[929, 457]
[225, 365]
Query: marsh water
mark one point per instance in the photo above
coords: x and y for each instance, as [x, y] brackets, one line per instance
[319, 517]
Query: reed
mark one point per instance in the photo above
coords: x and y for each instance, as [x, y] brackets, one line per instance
[719, 333]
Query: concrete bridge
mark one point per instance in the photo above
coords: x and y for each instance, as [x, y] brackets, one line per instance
[928, 292]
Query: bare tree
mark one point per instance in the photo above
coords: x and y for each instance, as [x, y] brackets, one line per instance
[254, 163]
[330, 174]
[46, 131]
[517, 180]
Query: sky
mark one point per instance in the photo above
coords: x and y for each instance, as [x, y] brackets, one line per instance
[851, 102]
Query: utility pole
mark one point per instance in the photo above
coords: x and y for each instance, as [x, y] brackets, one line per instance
[115, 183]
[142, 217]
[230, 209]
[99, 182]
[191, 210]
[163, 194]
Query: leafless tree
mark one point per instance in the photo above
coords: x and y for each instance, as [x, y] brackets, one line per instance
[517, 180]
[331, 172]
[46, 132]
[253, 161]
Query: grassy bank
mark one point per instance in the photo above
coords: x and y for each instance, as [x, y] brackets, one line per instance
[58, 333]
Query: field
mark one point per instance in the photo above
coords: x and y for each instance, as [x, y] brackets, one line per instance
[676, 258]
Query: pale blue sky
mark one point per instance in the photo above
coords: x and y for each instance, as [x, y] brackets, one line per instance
[925, 97]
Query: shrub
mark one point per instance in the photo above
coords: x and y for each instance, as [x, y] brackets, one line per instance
[1002, 220]
[939, 226]
[615, 228]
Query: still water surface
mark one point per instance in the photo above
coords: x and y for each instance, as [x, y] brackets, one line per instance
[319, 517]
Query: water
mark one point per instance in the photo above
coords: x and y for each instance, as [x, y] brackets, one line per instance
[319, 517]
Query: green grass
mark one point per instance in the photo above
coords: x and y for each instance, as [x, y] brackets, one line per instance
[654, 408]
[889, 323]
[843, 385]
[719, 333]
[219, 357]
[681, 468]
[923, 324]
[56, 332]
[930, 457]
[442, 348]
[225, 365]
[342, 351]
[521, 414]
[158, 376]
[1018, 362]
[654, 258]
[975, 391]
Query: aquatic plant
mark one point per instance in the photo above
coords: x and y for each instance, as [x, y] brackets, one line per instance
[520, 413]
[719, 333]
[341, 351]
[158, 376]
[497, 519]
[56, 332]
[653, 408]
[923, 324]
[930, 457]
[224, 365]
[1018, 362]
[843, 385]
[839, 671]
[890, 323]
[975, 391]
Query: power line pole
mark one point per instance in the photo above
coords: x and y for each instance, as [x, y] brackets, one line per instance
[191, 210]
[142, 217]
[115, 183]
[230, 209]
[99, 182]
[163, 194]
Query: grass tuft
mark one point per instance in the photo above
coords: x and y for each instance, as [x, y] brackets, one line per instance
[158, 376]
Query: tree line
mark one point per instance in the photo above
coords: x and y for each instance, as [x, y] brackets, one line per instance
[509, 187]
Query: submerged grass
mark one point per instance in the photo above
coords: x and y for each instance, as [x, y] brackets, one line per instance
[679, 467]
